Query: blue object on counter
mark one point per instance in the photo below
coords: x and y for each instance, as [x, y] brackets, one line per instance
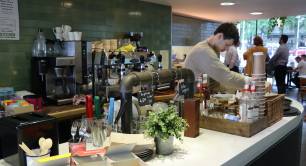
[231, 117]
[6, 93]
[111, 111]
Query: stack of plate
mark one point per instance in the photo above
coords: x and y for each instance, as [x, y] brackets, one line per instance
[145, 154]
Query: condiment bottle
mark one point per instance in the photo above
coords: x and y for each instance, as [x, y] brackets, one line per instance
[89, 107]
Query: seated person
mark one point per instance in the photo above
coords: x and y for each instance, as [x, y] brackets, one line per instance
[300, 69]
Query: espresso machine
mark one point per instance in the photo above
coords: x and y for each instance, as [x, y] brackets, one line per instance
[54, 79]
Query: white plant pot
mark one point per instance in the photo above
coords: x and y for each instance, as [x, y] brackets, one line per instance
[164, 147]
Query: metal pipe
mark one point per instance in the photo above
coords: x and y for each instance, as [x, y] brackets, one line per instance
[137, 78]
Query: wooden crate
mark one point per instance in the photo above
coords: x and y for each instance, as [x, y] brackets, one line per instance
[231, 127]
[274, 108]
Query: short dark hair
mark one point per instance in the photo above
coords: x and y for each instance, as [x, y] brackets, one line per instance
[229, 31]
[284, 38]
[257, 41]
[303, 56]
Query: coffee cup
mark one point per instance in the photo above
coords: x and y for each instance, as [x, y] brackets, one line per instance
[66, 28]
[57, 30]
[59, 36]
[259, 65]
[77, 36]
[71, 36]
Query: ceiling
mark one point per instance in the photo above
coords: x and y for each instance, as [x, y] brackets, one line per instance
[211, 9]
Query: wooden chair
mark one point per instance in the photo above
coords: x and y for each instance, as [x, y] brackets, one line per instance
[302, 90]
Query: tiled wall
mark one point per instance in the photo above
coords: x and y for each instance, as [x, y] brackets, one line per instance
[188, 31]
[97, 19]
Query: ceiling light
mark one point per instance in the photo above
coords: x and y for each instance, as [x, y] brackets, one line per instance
[227, 3]
[256, 13]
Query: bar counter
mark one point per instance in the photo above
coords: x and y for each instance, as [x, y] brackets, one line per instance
[276, 145]
[65, 111]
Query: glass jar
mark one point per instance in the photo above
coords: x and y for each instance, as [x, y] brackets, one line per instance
[39, 48]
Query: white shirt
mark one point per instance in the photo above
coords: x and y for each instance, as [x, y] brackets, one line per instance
[203, 59]
[301, 68]
[231, 57]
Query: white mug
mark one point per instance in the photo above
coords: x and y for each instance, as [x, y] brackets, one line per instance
[65, 36]
[66, 28]
[59, 36]
[77, 36]
[71, 36]
[57, 30]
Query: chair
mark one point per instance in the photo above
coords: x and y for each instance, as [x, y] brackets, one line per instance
[302, 90]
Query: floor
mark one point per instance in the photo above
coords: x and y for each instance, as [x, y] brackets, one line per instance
[293, 93]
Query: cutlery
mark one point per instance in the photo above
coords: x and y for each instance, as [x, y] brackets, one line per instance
[26, 149]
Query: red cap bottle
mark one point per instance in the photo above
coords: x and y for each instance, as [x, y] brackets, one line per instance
[89, 107]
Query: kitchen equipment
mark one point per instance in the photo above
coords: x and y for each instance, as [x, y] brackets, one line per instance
[71, 36]
[26, 149]
[89, 106]
[32, 160]
[81, 51]
[39, 48]
[54, 79]
[46, 145]
[259, 66]
[77, 36]
[27, 128]
[74, 129]
[41, 142]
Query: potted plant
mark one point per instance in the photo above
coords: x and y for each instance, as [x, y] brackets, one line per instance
[163, 126]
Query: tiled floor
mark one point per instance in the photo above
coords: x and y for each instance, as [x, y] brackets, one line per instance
[293, 93]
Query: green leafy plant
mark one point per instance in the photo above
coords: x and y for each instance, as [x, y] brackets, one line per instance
[275, 21]
[165, 123]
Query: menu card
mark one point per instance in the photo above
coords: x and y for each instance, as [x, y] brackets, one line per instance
[9, 20]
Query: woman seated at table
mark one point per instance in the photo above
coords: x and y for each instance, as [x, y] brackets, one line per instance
[300, 70]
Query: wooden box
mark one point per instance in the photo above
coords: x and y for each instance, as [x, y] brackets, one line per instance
[231, 127]
[274, 108]
[191, 114]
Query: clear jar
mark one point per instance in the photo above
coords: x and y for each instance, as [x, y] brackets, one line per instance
[39, 48]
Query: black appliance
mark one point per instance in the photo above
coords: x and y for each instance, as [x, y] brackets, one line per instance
[54, 79]
[27, 128]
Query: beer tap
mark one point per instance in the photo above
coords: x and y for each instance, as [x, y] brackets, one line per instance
[122, 66]
[142, 63]
[159, 60]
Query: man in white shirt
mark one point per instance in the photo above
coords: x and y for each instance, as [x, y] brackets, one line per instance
[300, 69]
[204, 58]
[232, 59]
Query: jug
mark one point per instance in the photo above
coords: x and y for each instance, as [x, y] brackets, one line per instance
[39, 48]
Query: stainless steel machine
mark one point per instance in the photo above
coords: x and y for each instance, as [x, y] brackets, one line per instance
[54, 79]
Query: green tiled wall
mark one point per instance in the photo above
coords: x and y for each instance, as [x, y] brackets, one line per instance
[97, 19]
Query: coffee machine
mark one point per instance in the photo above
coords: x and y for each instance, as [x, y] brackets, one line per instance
[54, 79]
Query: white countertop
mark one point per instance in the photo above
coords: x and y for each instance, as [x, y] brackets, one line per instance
[215, 148]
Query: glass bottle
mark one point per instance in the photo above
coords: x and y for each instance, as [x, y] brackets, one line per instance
[39, 48]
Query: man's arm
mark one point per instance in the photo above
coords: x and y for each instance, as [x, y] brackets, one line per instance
[276, 55]
[208, 62]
